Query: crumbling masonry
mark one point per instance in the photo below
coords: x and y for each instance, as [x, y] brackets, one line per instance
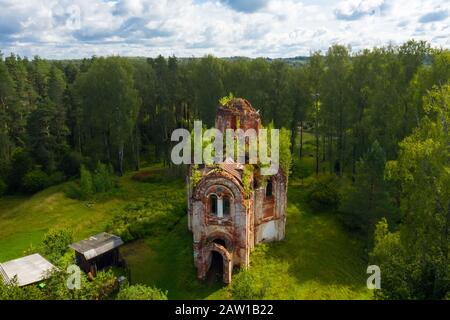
[226, 221]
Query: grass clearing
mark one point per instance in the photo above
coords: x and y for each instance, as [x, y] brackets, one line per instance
[24, 221]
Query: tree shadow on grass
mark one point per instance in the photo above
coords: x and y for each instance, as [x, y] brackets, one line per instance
[316, 249]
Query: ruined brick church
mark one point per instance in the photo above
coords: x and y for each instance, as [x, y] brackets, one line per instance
[227, 220]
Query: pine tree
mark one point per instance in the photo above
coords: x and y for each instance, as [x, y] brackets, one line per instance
[368, 200]
[6, 97]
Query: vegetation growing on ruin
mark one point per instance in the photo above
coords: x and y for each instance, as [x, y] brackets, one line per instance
[196, 176]
[247, 179]
[224, 100]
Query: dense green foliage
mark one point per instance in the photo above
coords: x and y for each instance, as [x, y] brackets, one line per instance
[420, 248]
[115, 110]
[104, 286]
[247, 179]
[100, 181]
[367, 201]
[324, 193]
[149, 217]
[35, 180]
[109, 106]
[56, 243]
[245, 287]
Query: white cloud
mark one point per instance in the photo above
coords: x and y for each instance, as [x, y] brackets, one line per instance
[130, 7]
[273, 28]
[356, 9]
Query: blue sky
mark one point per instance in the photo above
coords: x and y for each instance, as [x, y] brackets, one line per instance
[269, 28]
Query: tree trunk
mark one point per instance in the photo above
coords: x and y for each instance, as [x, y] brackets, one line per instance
[136, 148]
[301, 139]
[121, 159]
[317, 149]
[330, 152]
[106, 142]
[341, 141]
[293, 136]
[79, 140]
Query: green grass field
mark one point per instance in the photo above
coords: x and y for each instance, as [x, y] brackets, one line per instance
[24, 221]
[317, 260]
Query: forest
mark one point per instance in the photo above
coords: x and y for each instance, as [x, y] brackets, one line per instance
[369, 129]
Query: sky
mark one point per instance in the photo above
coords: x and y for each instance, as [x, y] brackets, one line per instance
[253, 28]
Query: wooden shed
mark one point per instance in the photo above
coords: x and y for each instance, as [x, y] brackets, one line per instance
[97, 252]
[28, 270]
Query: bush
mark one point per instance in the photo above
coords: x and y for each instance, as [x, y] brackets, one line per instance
[141, 292]
[246, 287]
[56, 242]
[302, 168]
[139, 219]
[35, 181]
[13, 292]
[73, 191]
[102, 179]
[323, 192]
[86, 183]
[103, 286]
[157, 214]
[3, 187]
[389, 254]
[196, 176]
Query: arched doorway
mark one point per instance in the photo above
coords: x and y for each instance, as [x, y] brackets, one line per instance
[221, 238]
[220, 266]
[215, 272]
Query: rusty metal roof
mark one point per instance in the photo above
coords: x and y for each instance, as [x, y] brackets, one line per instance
[97, 245]
[29, 269]
[232, 168]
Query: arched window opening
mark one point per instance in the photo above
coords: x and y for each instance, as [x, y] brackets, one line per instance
[226, 206]
[220, 241]
[219, 205]
[213, 204]
[269, 189]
